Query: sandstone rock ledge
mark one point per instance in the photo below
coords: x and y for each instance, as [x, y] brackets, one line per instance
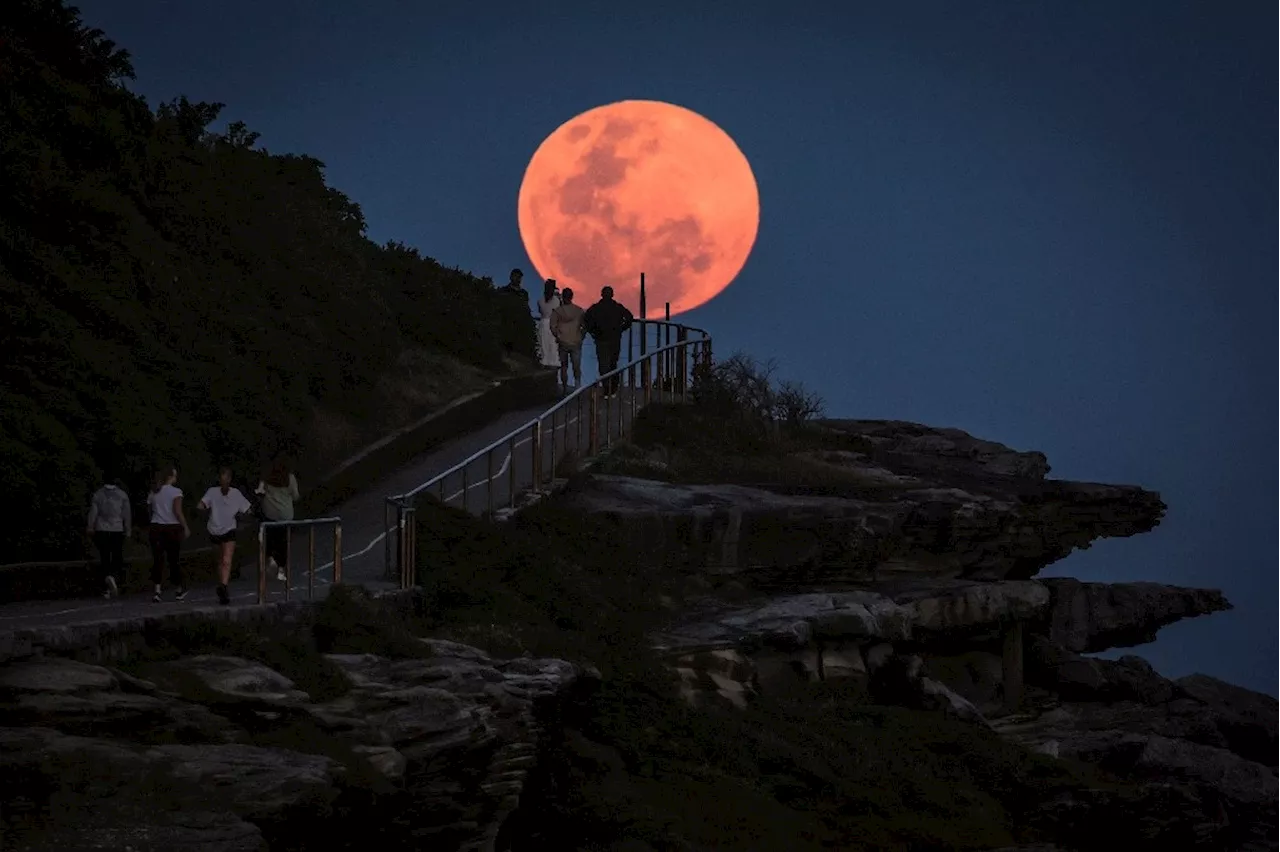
[220, 753]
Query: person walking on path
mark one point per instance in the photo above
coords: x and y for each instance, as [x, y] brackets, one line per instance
[167, 531]
[567, 328]
[225, 505]
[548, 348]
[279, 491]
[110, 524]
[605, 321]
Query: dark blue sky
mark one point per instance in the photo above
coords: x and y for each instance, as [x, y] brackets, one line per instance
[1049, 223]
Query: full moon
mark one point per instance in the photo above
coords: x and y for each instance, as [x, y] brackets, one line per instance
[639, 186]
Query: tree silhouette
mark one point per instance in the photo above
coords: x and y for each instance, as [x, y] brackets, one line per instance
[171, 291]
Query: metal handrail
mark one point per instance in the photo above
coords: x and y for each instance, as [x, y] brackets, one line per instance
[664, 370]
[310, 524]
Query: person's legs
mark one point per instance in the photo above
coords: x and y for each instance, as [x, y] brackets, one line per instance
[607, 351]
[156, 536]
[277, 549]
[226, 555]
[173, 549]
[575, 356]
[564, 366]
[111, 558]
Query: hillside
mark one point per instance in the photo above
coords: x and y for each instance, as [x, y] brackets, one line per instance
[174, 293]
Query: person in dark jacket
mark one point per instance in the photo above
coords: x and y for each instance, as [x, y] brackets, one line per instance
[605, 321]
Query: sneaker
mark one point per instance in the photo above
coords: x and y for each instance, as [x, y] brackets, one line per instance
[156, 598]
[224, 597]
[112, 588]
[274, 566]
[182, 593]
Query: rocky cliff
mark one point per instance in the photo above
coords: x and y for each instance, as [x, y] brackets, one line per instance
[908, 570]
[223, 753]
[863, 658]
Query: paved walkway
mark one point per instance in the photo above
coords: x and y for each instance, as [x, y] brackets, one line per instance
[364, 516]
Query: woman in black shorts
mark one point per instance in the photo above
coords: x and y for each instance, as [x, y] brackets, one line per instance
[225, 505]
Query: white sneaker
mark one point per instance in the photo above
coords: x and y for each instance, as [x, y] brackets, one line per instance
[112, 589]
[271, 564]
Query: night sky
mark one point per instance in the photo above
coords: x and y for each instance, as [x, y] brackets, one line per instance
[1049, 224]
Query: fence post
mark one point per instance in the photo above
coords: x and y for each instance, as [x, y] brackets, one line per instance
[488, 484]
[288, 563]
[536, 446]
[511, 472]
[593, 428]
[311, 561]
[337, 553]
[262, 561]
[411, 532]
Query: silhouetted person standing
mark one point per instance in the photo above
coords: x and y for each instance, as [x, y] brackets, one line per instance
[514, 284]
[566, 327]
[605, 321]
[110, 523]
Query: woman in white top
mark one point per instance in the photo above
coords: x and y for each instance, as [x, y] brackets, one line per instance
[548, 349]
[225, 505]
[168, 529]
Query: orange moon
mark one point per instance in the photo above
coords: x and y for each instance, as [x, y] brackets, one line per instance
[639, 186]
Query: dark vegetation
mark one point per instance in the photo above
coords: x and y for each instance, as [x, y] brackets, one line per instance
[171, 292]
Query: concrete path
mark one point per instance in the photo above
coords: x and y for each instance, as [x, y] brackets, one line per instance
[364, 516]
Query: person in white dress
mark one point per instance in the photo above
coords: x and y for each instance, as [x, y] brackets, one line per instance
[548, 349]
[226, 505]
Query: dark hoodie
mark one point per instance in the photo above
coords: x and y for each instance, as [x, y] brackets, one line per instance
[607, 318]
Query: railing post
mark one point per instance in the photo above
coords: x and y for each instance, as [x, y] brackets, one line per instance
[682, 356]
[386, 541]
[488, 483]
[648, 385]
[536, 446]
[402, 545]
[288, 562]
[658, 373]
[337, 554]
[262, 561]
[593, 427]
[311, 561]
[511, 471]
[411, 533]
[551, 479]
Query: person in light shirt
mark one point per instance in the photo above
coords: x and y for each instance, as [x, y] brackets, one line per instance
[167, 530]
[225, 505]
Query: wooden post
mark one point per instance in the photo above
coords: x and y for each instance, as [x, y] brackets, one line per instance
[262, 562]
[337, 554]
[1013, 671]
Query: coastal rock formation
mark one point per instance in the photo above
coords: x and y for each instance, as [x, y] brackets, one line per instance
[910, 575]
[222, 753]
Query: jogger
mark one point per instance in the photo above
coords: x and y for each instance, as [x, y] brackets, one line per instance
[167, 531]
[225, 506]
